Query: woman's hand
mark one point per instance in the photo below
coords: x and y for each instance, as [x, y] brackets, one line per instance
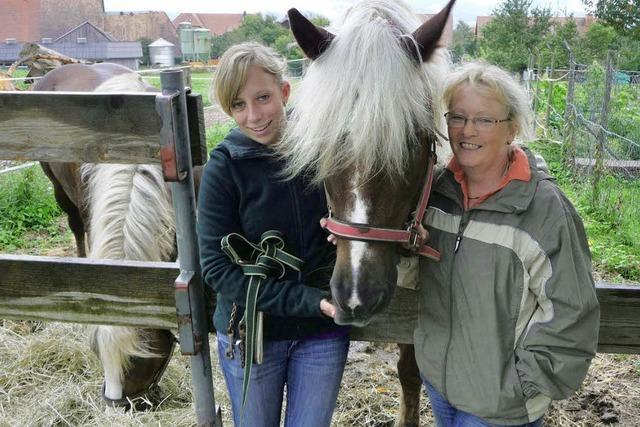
[330, 238]
[327, 308]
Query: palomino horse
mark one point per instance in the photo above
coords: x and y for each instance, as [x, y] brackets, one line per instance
[118, 207]
[364, 123]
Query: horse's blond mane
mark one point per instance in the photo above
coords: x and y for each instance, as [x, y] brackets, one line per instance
[364, 97]
[131, 218]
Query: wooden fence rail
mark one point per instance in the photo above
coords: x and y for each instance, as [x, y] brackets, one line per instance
[135, 293]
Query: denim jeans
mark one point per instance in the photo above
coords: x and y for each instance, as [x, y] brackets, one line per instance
[448, 416]
[311, 369]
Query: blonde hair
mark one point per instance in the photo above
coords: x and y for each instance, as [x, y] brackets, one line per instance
[234, 66]
[499, 84]
[364, 102]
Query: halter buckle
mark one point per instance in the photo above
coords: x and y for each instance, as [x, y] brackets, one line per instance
[415, 240]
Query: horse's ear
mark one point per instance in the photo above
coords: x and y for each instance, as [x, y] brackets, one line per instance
[428, 34]
[311, 39]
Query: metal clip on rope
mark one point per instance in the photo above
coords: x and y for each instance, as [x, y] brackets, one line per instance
[257, 262]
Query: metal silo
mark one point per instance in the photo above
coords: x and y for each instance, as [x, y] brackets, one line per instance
[185, 32]
[162, 53]
[202, 44]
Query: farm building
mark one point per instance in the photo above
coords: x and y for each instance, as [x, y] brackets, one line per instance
[86, 42]
[217, 23]
[110, 37]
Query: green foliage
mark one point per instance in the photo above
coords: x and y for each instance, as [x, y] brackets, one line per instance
[558, 101]
[464, 42]
[216, 133]
[552, 47]
[595, 43]
[624, 107]
[200, 84]
[612, 224]
[264, 29]
[26, 204]
[516, 30]
[622, 15]
[145, 42]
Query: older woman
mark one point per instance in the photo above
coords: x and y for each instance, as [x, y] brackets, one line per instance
[242, 192]
[508, 319]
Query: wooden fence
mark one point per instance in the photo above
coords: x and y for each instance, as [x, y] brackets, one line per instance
[101, 291]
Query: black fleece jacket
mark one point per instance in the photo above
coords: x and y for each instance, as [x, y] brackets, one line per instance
[241, 192]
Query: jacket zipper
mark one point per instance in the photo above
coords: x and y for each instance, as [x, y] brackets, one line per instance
[296, 209]
[463, 224]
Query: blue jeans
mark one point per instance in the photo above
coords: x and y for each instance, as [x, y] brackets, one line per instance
[311, 369]
[448, 416]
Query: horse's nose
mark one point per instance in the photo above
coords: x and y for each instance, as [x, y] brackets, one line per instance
[359, 309]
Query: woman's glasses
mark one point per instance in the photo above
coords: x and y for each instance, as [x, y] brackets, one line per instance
[457, 121]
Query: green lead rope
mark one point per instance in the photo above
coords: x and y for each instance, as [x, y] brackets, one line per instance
[257, 262]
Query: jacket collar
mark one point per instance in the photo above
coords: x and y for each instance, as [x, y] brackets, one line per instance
[515, 197]
[241, 146]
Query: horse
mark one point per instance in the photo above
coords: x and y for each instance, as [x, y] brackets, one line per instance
[364, 124]
[112, 210]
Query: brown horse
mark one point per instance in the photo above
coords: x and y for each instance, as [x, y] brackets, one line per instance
[364, 123]
[117, 208]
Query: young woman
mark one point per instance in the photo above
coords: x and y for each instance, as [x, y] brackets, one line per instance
[243, 192]
[508, 318]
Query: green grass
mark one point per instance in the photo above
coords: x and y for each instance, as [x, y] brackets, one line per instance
[216, 133]
[27, 208]
[612, 223]
[200, 83]
[18, 73]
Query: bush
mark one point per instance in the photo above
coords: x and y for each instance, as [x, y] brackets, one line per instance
[26, 204]
[612, 223]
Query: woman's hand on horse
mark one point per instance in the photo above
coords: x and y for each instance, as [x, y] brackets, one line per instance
[330, 238]
[327, 308]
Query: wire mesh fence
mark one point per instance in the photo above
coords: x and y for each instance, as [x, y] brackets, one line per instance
[593, 112]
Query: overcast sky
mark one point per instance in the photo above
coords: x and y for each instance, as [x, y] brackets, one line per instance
[464, 10]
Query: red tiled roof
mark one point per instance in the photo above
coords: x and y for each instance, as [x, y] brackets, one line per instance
[20, 19]
[217, 23]
[447, 33]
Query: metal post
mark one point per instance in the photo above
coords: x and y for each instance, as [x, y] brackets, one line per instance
[183, 195]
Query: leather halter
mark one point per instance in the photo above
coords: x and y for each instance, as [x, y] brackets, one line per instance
[128, 401]
[410, 235]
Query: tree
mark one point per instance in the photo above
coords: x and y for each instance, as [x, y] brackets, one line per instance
[263, 29]
[145, 42]
[515, 30]
[596, 42]
[464, 42]
[553, 42]
[621, 15]
[318, 20]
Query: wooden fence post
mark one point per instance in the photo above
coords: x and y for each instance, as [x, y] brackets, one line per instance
[602, 138]
[550, 91]
[569, 152]
[538, 59]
